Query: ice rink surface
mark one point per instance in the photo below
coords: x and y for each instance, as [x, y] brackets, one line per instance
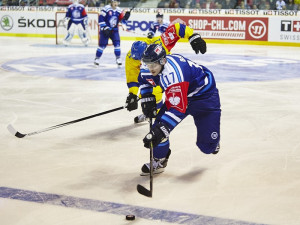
[86, 173]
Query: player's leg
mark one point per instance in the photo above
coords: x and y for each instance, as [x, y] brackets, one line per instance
[103, 41]
[161, 152]
[117, 47]
[207, 115]
[82, 34]
[70, 33]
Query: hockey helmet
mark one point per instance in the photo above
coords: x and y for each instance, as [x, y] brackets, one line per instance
[159, 15]
[137, 49]
[154, 53]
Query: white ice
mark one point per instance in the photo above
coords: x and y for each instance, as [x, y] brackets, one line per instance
[255, 177]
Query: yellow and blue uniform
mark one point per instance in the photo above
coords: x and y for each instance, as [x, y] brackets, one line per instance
[168, 39]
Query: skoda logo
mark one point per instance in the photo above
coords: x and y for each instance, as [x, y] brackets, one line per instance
[7, 22]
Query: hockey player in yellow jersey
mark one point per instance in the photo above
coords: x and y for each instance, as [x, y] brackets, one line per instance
[168, 39]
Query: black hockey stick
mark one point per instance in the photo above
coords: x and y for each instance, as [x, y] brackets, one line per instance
[14, 132]
[134, 5]
[141, 189]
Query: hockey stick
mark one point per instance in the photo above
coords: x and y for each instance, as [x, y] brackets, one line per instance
[134, 32]
[141, 189]
[14, 132]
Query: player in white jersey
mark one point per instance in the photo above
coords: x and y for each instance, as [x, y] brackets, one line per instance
[190, 89]
[76, 17]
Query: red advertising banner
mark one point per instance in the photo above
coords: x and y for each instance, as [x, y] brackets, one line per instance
[236, 28]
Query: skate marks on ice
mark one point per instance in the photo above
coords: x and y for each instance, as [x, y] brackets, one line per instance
[246, 67]
[114, 208]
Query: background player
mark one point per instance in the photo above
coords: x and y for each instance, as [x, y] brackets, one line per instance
[160, 25]
[190, 89]
[109, 20]
[76, 17]
[133, 60]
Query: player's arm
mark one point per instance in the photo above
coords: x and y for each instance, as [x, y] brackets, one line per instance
[197, 43]
[132, 69]
[84, 16]
[102, 23]
[67, 17]
[152, 31]
[148, 100]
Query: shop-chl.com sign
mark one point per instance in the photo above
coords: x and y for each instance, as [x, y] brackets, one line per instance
[239, 28]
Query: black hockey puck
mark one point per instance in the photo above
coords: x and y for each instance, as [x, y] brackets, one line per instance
[130, 217]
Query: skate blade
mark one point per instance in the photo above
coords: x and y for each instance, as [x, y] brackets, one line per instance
[161, 170]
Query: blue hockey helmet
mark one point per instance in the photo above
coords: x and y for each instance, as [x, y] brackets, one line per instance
[154, 54]
[137, 49]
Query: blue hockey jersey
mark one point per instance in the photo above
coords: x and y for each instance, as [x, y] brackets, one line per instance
[111, 17]
[161, 28]
[76, 12]
[182, 80]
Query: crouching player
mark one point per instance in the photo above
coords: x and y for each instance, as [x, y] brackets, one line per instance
[76, 17]
[133, 60]
[190, 89]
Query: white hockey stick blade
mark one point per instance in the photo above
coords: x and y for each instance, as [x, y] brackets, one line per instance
[13, 131]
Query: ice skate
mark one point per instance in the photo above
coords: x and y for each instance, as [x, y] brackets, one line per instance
[217, 149]
[96, 62]
[140, 118]
[66, 43]
[159, 165]
[118, 61]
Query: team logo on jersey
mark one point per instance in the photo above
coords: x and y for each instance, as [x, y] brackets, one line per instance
[151, 81]
[176, 96]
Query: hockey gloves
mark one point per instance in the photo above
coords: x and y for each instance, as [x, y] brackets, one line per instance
[106, 30]
[131, 102]
[149, 105]
[150, 35]
[156, 135]
[126, 16]
[66, 21]
[197, 43]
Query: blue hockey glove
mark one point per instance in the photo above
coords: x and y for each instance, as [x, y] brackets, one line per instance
[148, 103]
[131, 102]
[156, 135]
[107, 31]
[150, 35]
[197, 43]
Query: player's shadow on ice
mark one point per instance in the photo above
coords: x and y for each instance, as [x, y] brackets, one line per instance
[191, 176]
[128, 131]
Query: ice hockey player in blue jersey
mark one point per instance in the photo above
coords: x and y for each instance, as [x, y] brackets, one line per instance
[190, 89]
[109, 20]
[76, 17]
[159, 26]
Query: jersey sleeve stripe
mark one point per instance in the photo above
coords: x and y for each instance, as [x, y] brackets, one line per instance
[163, 82]
[182, 30]
[173, 116]
[170, 120]
[177, 69]
[132, 84]
[163, 143]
